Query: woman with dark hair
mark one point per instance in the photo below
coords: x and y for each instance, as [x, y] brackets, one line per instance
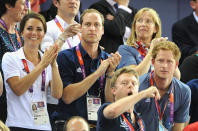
[27, 74]
[11, 12]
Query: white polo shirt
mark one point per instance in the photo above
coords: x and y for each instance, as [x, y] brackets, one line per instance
[19, 107]
[53, 32]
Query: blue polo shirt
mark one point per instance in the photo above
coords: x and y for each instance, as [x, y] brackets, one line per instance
[148, 110]
[193, 84]
[70, 72]
[116, 124]
[130, 56]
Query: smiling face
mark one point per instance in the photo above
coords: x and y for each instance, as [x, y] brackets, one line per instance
[33, 32]
[17, 12]
[91, 28]
[126, 84]
[145, 26]
[67, 7]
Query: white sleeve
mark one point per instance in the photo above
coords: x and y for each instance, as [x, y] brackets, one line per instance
[47, 41]
[9, 65]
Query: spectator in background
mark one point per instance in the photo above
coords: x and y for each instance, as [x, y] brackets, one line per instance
[62, 28]
[11, 12]
[118, 18]
[114, 116]
[146, 33]
[185, 32]
[146, 26]
[76, 123]
[82, 69]
[66, 12]
[27, 74]
[50, 13]
[35, 5]
[189, 68]
[172, 110]
[193, 84]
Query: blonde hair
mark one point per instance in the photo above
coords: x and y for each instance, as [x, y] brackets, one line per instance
[168, 46]
[3, 127]
[91, 11]
[133, 38]
[121, 71]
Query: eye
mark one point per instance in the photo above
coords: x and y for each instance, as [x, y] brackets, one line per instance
[140, 20]
[39, 29]
[96, 24]
[87, 24]
[169, 62]
[134, 83]
[149, 21]
[124, 83]
[29, 28]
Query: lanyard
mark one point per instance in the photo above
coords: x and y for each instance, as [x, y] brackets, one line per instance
[83, 68]
[62, 30]
[130, 125]
[141, 49]
[171, 100]
[17, 34]
[43, 76]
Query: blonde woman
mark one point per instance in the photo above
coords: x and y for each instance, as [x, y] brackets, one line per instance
[146, 33]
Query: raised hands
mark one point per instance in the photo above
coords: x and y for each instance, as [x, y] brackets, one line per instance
[109, 65]
[50, 55]
[156, 41]
[70, 31]
[114, 60]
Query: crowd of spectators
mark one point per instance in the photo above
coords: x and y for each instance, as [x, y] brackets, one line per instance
[106, 68]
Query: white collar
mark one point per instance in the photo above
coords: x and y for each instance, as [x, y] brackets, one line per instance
[195, 16]
[22, 55]
[62, 22]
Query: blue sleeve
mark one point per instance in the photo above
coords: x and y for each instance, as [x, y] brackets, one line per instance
[193, 84]
[101, 119]
[128, 56]
[66, 67]
[182, 114]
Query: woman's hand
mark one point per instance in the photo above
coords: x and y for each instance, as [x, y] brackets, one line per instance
[156, 41]
[49, 56]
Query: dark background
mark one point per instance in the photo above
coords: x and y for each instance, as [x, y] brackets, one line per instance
[170, 11]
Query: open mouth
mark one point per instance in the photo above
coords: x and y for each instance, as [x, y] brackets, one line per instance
[130, 93]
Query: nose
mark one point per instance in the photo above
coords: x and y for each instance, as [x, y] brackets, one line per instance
[92, 27]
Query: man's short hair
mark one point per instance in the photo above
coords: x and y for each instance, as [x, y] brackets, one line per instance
[167, 46]
[91, 11]
[121, 71]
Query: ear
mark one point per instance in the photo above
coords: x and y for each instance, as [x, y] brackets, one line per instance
[177, 63]
[113, 90]
[22, 34]
[102, 30]
[55, 2]
[8, 6]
